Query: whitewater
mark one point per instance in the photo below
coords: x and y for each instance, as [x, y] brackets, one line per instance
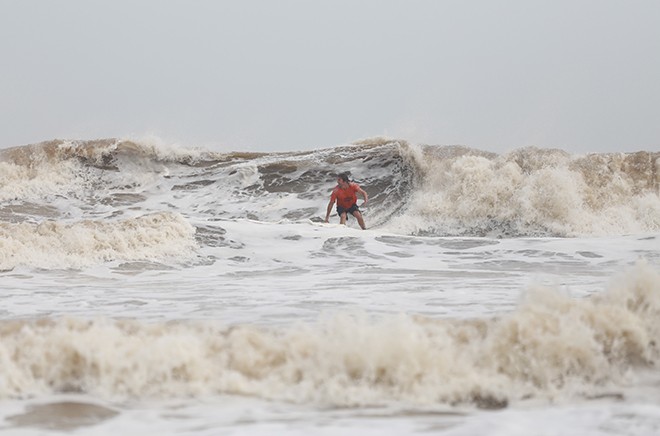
[149, 287]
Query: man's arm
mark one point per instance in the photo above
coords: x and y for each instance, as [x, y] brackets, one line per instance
[327, 213]
[364, 195]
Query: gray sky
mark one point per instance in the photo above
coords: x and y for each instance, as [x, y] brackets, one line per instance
[294, 75]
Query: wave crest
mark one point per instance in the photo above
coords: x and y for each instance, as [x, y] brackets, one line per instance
[418, 190]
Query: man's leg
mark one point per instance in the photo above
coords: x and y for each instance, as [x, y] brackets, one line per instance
[360, 220]
[342, 218]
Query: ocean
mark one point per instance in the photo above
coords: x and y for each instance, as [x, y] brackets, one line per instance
[153, 288]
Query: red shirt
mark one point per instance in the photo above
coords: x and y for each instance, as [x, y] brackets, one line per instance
[345, 197]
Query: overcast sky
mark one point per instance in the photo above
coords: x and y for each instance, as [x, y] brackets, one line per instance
[295, 75]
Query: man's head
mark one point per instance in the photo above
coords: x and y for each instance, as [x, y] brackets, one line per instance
[342, 179]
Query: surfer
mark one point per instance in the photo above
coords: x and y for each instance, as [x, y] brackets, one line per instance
[345, 194]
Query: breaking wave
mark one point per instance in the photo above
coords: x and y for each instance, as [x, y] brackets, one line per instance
[551, 346]
[414, 190]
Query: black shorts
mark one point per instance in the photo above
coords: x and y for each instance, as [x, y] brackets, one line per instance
[350, 210]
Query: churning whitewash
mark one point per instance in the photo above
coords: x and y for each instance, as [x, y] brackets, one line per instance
[153, 288]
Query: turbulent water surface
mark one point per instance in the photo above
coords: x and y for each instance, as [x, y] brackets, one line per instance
[180, 291]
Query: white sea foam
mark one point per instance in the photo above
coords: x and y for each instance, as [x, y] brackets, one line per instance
[52, 244]
[38, 181]
[145, 287]
[550, 346]
[559, 196]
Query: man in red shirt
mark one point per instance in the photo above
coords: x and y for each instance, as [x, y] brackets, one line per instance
[345, 194]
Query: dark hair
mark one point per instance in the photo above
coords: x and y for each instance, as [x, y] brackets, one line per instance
[343, 176]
